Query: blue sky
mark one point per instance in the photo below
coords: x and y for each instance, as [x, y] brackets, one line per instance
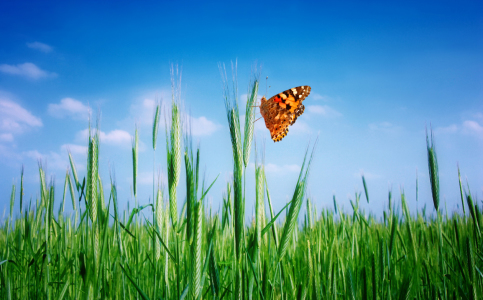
[379, 71]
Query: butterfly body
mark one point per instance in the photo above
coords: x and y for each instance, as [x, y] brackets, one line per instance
[282, 110]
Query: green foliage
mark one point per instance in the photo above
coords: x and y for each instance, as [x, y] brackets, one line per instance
[336, 257]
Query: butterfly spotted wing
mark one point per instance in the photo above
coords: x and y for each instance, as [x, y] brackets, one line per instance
[282, 110]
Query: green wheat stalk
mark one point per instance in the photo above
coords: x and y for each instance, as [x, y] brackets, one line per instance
[92, 198]
[195, 256]
[231, 106]
[295, 205]
[173, 149]
[461, 191]
[250, 117]
[433, 169]
[135, 151]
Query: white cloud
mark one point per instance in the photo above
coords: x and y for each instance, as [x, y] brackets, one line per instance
[201, 126]
[40, 46]
[14, 119]
[453, 128]
[472, 127]
[69, 107]
[146, 178]
[114, 137]
[13, 114]
[261, 128]
[323, 110]
[243, 101]
[34, 154]
[6, 137]
[74, 149]
[142, 112]
[58, 160]
[468, 127]
[143, 108]
[316, 96]
[273, 168]
[386, 127]
[51, 160]
[6, 152]
[300, 127]
[27, 69]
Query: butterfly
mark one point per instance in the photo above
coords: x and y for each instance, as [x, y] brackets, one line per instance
[282, 110]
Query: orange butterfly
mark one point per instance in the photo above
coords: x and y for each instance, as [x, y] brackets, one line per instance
[282, 110]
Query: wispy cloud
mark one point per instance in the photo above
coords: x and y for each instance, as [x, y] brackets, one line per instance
[69, 107]
[142, 112]
[453, 128]
[300, 127]
[59, 160]
[40, 46]
[244, 97]
[201, 126]
[114, 137]
[74, 149]
[316, 96]
[467, 127]
[28, 70]
[146, 178]
[273, 168]
[277, 169]
[14, 119]
[143, 108]
[472, 127]
[51, 160]
[6, 137]
[479, 116]
[323, 110]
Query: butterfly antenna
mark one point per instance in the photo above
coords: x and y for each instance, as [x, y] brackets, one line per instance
[256, 120]
[266, 86]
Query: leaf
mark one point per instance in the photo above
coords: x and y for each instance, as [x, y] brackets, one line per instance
[140, 291]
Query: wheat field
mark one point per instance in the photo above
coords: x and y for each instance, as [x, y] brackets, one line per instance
[180, 251]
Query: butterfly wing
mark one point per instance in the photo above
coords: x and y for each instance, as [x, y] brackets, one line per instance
[282, 110]
[276, 120]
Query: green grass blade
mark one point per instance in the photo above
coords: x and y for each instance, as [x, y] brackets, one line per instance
[64, 289]
[140, 291]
